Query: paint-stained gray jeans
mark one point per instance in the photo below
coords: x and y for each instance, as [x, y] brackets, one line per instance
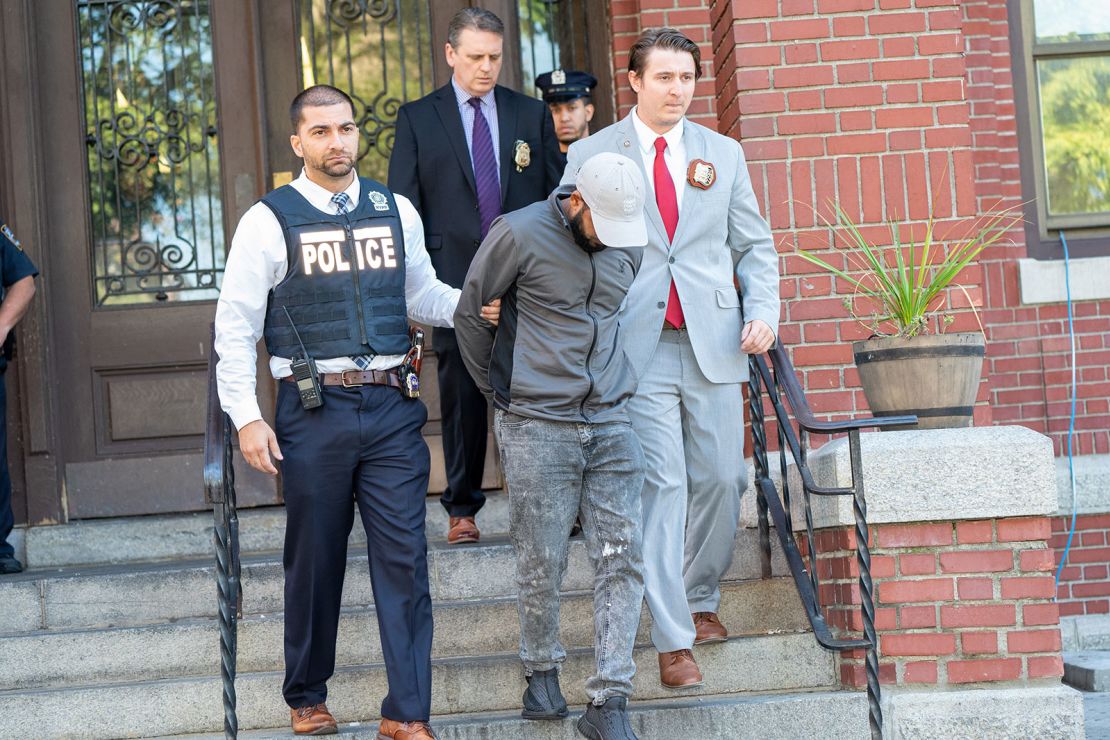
[555, 470]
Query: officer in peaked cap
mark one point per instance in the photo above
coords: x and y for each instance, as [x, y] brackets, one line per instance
[567, 93]
[17, 276]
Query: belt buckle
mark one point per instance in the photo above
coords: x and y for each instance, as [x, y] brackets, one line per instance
[343, 379]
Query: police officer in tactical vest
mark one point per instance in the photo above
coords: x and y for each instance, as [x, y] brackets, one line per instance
[329, 269]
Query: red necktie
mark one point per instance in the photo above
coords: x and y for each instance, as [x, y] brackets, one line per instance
[668, 208]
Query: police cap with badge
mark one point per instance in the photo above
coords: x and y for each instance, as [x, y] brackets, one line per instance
[561, 85]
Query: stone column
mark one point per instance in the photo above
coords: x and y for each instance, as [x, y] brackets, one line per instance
[969, 635]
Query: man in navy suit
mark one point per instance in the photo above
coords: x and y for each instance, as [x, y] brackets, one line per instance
[464, 155]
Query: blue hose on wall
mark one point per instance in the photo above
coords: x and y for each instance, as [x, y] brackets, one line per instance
[1071, 421]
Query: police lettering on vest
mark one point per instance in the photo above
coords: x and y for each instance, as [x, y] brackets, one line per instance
[345, 284]
[323, 250]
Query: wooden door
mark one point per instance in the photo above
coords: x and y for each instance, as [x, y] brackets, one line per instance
[154, 151]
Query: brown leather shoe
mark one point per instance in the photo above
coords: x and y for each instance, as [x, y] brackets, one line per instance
[678, 670]
[708, 628]
[462, 529]
[314, 719]
[391, 729]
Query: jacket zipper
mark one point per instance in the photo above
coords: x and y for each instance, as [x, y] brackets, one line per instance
[353, 259]
[593, 339]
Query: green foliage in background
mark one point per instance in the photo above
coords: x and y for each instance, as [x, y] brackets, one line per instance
[1075, 109]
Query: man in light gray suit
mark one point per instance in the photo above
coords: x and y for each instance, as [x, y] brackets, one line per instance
[682, 332]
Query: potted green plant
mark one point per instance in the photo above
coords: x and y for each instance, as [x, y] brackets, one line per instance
[910, 365]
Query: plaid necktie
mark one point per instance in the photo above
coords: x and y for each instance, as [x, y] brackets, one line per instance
[342, 202]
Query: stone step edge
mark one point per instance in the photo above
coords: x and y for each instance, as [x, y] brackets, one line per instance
[355, 609]
[354, 551]
[1087, 670]
[253, 557]
[444, 722]
[192, 532]
[492, 658]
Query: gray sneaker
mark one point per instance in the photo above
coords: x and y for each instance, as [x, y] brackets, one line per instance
[8, 564]
[543, 699]
[607, 722]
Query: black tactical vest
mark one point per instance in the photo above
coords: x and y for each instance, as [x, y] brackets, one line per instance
[345, 287]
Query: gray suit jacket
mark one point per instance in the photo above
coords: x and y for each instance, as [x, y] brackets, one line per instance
[720, 233]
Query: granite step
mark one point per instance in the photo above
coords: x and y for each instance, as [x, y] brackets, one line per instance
[152, 593]
[815, 714]
[492, 683]
[189, 536]
[191, 647]
[1088, 670]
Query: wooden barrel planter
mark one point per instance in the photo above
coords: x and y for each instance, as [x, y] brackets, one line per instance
[935, 377]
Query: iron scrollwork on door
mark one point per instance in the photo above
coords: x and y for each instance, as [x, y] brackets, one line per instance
[378, 51]
[153, 162]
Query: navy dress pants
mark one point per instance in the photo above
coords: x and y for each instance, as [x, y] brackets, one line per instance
[365, 446]
[465, 423]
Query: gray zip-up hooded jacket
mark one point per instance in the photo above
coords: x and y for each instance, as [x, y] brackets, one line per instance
[556, 353]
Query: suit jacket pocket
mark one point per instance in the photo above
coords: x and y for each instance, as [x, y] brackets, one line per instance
[434, 242]
[728, 297]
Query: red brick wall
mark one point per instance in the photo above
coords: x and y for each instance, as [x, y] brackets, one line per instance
[1027, 350]
[956, 602]
[631, 17]
[1085, 580]
[882, 104]
[839, 100]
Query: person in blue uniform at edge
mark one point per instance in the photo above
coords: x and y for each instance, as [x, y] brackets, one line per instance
[17, 275]
[569, 96]
[333, 266]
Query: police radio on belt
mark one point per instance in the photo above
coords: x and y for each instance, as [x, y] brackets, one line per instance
[304, 372]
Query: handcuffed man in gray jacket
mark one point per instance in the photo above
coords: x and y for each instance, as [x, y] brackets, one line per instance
[558, 379]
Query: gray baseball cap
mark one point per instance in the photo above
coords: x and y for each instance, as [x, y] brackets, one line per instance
[613, 188]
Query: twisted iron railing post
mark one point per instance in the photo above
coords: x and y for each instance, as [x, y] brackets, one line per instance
[219, 491]
[759, 455]
[866, 588]
[774, 504]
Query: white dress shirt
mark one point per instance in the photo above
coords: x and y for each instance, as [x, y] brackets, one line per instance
[489, 109]
[258, 261]
[674, 156]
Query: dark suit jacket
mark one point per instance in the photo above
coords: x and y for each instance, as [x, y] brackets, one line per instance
[431, 166]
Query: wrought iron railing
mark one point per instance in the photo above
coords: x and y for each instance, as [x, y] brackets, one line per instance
[219, 492]
[773, 385]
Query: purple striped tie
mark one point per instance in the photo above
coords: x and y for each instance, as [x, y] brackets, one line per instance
[485, 168]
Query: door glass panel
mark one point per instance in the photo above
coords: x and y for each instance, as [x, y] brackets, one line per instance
[377, 51]
[153, 165]
[1075, 121]
[1063, 21]
[556, 34]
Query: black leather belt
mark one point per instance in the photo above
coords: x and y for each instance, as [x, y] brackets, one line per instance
[354, 378]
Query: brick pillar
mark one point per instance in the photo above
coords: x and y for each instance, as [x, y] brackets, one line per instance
[958, 602]
[959, 529]
[1085, 580]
